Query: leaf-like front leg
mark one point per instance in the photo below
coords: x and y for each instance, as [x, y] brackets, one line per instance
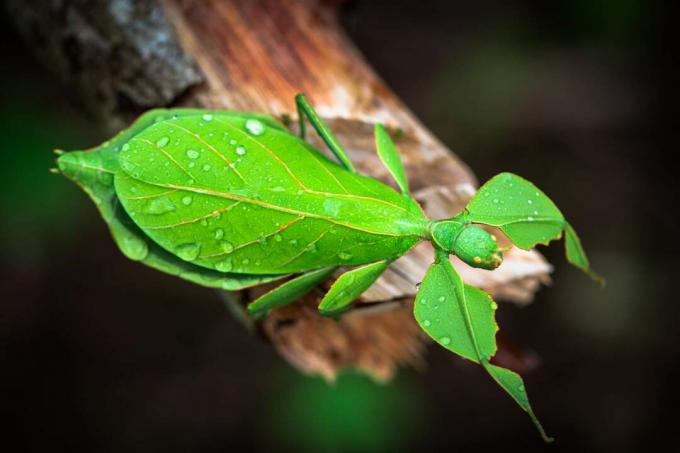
[288, 292]
[349, 286]
[305, 108]
[526, 215]
[461, 319]
[390, 158]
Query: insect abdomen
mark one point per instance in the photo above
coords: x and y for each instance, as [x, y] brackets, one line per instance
[222, 196]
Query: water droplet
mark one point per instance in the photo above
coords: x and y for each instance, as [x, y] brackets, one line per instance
[232, 142]
[162, 142]
[219, 233]
[535, 212]
[134, 247]
[495, 200]
[293, 242]
[441, 299]
[427, 323]
[191, 164]
[188, 252]
[125, 147]
[208, 117]
[278, 189]
[258, 262]
[105, 178]
[538, 194]
[224, 265]
[530, 219]
[240, 151]
[520, 387]
[204, 222]
[530, 201]
[245, 261]
[445, 341]
[187, 200]
[423, 301]
[206, 167]
[255, 127]
[193, 154]
[278, 238]
[160, 205]
[345, 255]
[227, 247]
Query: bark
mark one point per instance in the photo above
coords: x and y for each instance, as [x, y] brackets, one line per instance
[124, 56]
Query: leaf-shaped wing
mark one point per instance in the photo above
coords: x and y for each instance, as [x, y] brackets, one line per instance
[223, 197]
[461, 318]
[526, 215]
[94, 171]
[390, 157]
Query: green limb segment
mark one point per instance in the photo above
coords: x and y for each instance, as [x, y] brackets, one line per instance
[349, 286]
[526, 215]
[390, 158]
[461, 318]
[94, 170]
[305, 108]
[576, 255]
[514, 385]
[289, 291]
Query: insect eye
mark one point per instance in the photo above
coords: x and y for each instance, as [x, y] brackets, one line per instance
[478, 248]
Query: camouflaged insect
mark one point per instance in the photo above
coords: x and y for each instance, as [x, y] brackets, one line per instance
[231, 200]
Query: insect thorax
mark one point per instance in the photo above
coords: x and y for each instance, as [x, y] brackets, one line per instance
[472, 244]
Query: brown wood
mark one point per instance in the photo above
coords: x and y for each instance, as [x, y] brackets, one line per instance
[255, 56]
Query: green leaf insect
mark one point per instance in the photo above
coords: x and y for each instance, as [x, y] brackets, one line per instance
[232, 200]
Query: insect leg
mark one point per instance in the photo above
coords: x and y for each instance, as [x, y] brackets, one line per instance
[306, 109]
[349, 286]
[289, 291]
[390, 158]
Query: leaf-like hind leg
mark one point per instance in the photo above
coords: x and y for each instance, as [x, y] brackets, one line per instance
[289, 291]
[349, 286]
[305, 109]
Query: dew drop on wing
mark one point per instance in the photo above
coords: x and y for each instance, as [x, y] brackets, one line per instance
[134, 247]
[207, 117]
[241, 151]
[445, 341]
[219, 233]
[427, 323]
[255, 127]
[186, 200]
[193, 154]
[224, 266]
[345, 256]
[227, 247]
[162, 142]
[188, 252]
[161, 205]
[105, 178]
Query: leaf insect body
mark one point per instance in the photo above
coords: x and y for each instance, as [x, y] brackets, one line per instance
[231, 200]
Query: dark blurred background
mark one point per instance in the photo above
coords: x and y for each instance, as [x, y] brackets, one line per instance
[98, 353]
